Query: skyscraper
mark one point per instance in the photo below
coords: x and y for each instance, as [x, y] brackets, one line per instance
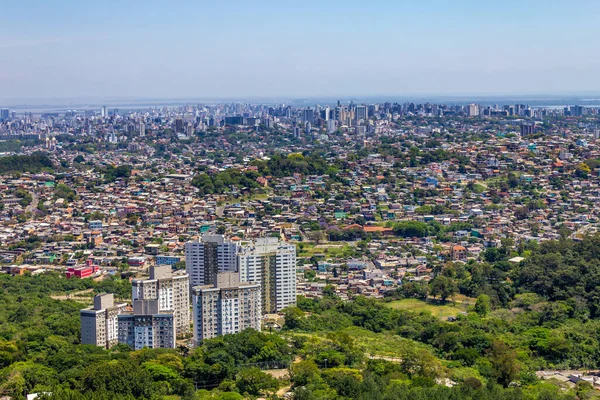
[472, 110]
[179, 125]
[361, 112]
[331, 126]
[527, 128]
[99, 323]
[272, 264]
[142, 129]
[308, 115]
[104, 112]
[189, 130]
[172, 291]
[206, 257]
[228, 306]
[4, 114]
[147, 327]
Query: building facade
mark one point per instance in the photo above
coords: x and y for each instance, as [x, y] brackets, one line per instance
[207, 257]
[229, 306]
[172, 291]
[147, 327]
[272, 264]
[99, 324]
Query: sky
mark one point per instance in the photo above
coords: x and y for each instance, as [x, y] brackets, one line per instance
[308, 48]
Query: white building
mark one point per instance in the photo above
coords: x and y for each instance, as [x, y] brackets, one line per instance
[205, 258]
[272, 264]
[147, 327]
[229, 306]
[99, 324]
[172, 292]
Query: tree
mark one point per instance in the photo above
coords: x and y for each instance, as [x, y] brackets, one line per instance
[293, 317]
[482, 305]
[254, 382]
[443, 286]
[304, 372]
[505, 366]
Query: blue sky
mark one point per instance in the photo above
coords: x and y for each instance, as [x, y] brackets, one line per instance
[177, 48]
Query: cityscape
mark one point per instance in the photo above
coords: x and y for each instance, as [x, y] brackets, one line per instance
[217, 217]
[333, 200]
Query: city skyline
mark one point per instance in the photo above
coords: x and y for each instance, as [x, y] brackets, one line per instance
[345, 49]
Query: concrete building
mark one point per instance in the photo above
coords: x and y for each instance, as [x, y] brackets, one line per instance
[472, 110]
[229, 306]
[308, 115]
[205, 258]
[172, 291]
[147, 327]
[272, 264]
[99, 324]
[361, 113]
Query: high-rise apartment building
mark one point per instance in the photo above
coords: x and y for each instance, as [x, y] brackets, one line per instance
[308, 115]
[206, 257]
[472, 110]
[179, 125]
[172, 291]
[229, 306]
[142, 129]
[527, 128]
[147, 327]
[99, 323]
[272, 264]
[361, 113]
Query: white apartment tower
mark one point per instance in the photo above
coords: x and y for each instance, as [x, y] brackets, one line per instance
[472, 110]
[272, 264]
[99, 324]
[172, 291]
[206, 257]
[228, 306]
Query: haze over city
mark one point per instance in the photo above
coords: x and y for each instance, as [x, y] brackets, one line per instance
[258, 49]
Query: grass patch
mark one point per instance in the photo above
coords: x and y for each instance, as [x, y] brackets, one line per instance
[330, 250]
[383, 344]
[437, 310]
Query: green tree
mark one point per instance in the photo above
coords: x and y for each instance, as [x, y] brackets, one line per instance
[255, 382]
[304, 372]
[443, 286]
[483, 305]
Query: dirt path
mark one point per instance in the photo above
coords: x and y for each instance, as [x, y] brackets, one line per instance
[284, 390]
[74, 296]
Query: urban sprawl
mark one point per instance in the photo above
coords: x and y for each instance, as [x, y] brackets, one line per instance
[220, 215]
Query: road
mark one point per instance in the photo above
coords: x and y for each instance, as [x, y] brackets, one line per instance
[34, 202]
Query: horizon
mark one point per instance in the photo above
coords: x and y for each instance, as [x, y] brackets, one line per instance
[138, 103]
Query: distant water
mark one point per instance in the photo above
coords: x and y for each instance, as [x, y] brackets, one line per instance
[61, 105]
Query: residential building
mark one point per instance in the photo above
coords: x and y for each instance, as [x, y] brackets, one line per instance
[147, 327]
[205, 258]
[99, 323]
[95, 225]
[458, 253]
[229, 306]
[171, 290]
[272, 264]
[361, 112]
